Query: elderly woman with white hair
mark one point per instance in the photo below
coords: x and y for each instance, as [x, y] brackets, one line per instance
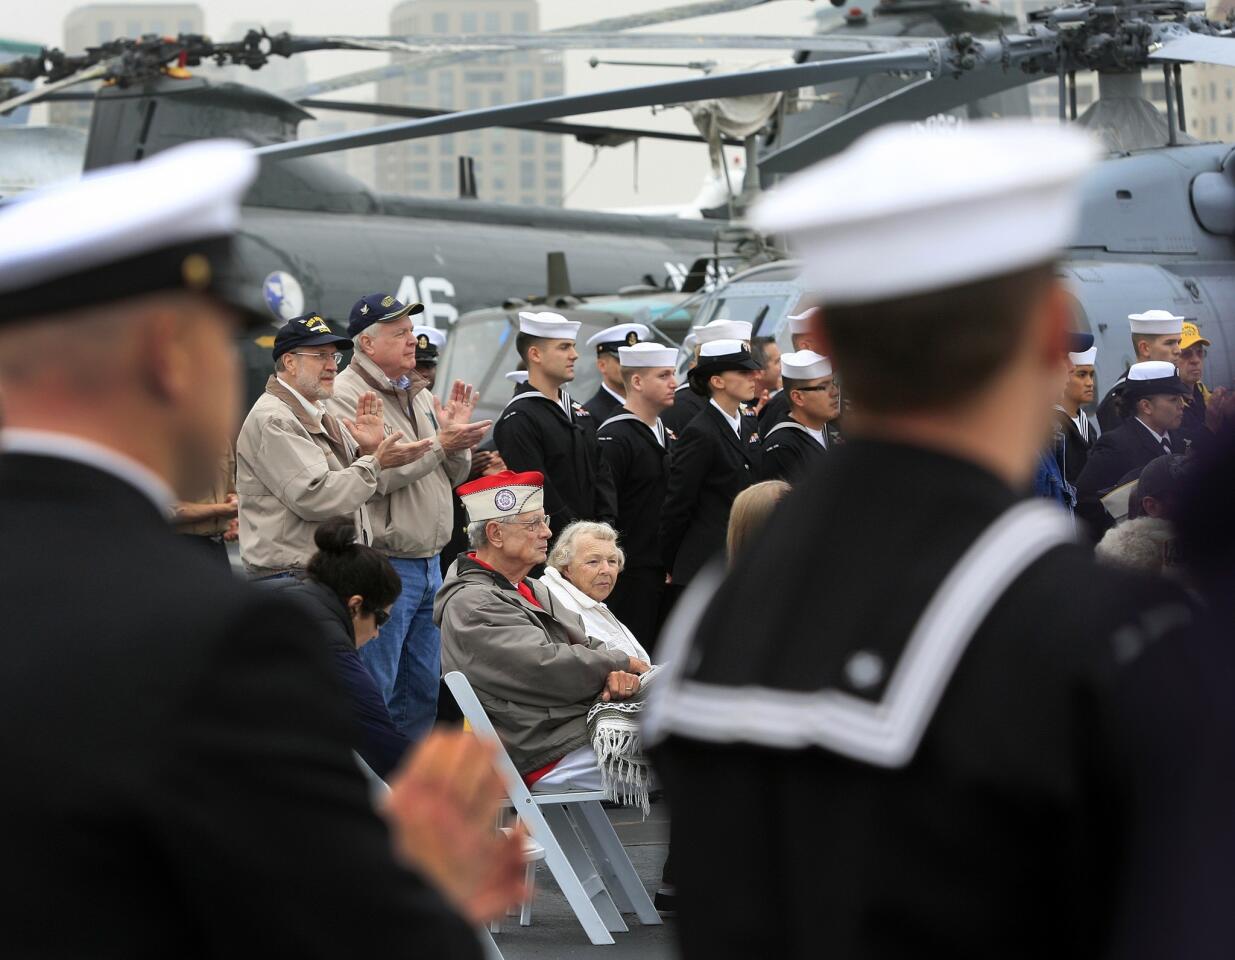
[582, 571]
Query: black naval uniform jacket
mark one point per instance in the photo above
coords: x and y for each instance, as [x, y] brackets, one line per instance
[1071, 794]
[1193, 429]
[686, 406]
[638, 458]
[710, 466]
[789, 452]
[181, 780]
[536, 433]
[1116, 454]
[1076, 446]
[1108, 417]
[602, 406]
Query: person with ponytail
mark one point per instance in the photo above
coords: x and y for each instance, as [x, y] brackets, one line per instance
[348, 590]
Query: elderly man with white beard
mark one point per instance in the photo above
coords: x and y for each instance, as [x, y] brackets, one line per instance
[295, 466]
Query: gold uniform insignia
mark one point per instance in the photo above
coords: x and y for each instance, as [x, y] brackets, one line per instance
[388, 301]
[422, 342]
[632, 338]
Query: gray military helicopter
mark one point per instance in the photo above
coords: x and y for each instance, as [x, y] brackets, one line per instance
[1159, 216]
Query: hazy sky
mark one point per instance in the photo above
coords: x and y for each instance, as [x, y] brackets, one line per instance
[667, 173]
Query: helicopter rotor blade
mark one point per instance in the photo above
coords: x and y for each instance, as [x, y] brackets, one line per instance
[96, 72]
[914, 102]
[584, 133]
[687, 11]
[501, 43]
[1197, 48]
[925, 57]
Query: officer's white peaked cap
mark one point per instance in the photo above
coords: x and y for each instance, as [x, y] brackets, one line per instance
[1151, 370]
[804, 365]
[647, 355]
[909, 210]
[800, 322]
[173, 201]
[548, 325]
[1156, 322]
[432, 334]
[1084, 358]
[620, 333]
[722, 330]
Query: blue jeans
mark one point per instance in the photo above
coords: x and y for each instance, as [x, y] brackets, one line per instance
[405, 658]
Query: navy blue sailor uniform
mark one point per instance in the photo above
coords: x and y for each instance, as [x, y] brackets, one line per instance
[638, 459]
[1078, 441]
[1117, 453]
[971, 759]
[558, 439]
[711, 464]
[790, 451]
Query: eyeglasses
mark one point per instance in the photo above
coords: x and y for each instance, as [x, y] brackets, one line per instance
[531, 524]
[822, 386]
[380, 617]
[327, 357]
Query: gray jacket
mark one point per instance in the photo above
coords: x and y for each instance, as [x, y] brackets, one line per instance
[535, 670]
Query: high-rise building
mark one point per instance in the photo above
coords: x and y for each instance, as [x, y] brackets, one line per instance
[515, 166]
[98, 23]
[1209, 91]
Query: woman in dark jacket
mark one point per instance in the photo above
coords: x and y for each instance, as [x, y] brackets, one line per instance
[348, 592]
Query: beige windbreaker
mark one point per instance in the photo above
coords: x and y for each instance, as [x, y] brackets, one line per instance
[291, 476]
[413, 515]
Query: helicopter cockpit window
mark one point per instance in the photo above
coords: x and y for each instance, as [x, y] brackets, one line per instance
[764, 314]
[477, 349]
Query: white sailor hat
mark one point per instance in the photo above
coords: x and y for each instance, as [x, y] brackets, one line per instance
[164, 223]
[548, 325]
[1156, 322]
[907, 210]
[611, 338]
[800, 322]
[505, 494]
[1084, 358]
[516, 376]
[804, 365]
[647, 355]
[429, 340]
[1152, 378]
[723, 330]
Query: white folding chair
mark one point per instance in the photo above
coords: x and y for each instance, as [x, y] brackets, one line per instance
[378, 788]
[599, 886]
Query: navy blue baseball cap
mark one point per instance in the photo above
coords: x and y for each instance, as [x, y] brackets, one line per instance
[379, 308]
[309, 330]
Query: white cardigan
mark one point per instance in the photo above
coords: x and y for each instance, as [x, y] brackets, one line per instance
[597, 618]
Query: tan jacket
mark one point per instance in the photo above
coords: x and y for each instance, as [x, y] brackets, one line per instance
[290, 476]
[535, 671]
[414, 514]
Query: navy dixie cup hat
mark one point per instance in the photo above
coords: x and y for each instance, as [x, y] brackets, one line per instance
[309, 330]
[379, 308]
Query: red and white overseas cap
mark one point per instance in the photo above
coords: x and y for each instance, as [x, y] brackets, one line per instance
[505, 494]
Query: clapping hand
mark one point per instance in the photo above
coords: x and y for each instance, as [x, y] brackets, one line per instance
[368, 428]
[442, 807]
[391, 452]
[455, 431]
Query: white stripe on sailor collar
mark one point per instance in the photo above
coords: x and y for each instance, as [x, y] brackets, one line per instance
[658, 432]
[885, 734]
